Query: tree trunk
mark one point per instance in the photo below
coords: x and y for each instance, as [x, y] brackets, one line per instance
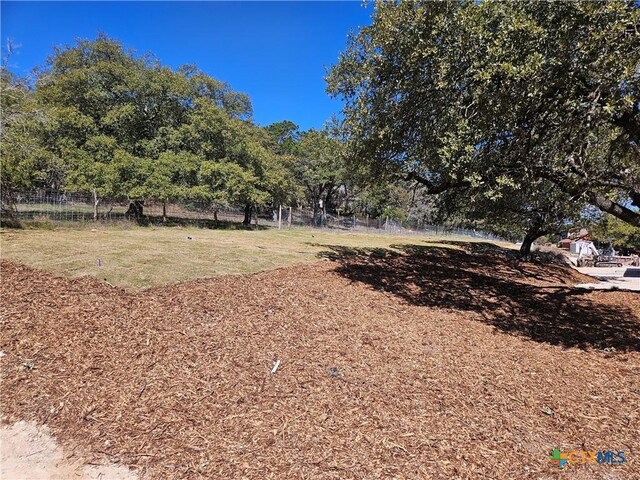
[96, 200]
[136, 208]
[316, 210]
[164, 210]
[215, 217]
[529, 238]
[328, 199]
[107, 214]
[248, 210]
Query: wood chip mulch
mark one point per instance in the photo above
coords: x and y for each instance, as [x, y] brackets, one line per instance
[421, 362]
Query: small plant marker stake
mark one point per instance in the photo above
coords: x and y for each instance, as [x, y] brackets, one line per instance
[275, 367]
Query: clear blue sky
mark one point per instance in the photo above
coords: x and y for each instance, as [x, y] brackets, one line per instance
[274, 51]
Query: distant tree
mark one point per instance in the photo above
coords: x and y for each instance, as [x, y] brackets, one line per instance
[319, 168]
[172, 176]
[124, 125]
[24, 163]
[286, 134]
[250, 149]
[382, 199]
[105, 103]
[623, 235]
[237, 105]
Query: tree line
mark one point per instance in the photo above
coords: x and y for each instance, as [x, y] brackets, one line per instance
[98, 118]
[517, 118]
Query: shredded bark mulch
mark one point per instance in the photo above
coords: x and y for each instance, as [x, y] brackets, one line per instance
[418, 362]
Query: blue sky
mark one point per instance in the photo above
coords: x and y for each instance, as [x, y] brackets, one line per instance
[274, 51]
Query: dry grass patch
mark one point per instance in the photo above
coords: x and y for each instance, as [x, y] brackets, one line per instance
[150, 256]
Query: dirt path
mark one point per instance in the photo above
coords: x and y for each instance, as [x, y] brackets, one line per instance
[620, 278]
[30, 452]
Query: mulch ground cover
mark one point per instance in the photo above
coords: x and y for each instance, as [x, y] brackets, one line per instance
[418, 362]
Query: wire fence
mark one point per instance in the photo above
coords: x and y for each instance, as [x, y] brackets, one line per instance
[81, 207]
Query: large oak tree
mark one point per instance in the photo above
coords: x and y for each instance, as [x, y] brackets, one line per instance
[502, 100]
[119, 124]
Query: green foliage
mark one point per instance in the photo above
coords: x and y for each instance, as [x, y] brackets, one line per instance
[393, 213]
[122, 125]
[622, 234]
[101, 119]
[315, 157]
[24, 163]
[286, 134]
[524, 110]
[319, 167]
[382, 199]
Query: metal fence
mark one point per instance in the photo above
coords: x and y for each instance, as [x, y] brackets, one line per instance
[79, 207]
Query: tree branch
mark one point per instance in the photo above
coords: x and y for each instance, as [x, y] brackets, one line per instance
[434, 188]
[597, 200]
[623, 213]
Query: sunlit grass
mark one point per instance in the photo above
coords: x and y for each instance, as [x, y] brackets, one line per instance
[148, 256]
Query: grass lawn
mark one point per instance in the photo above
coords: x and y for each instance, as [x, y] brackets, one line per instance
[150, 256]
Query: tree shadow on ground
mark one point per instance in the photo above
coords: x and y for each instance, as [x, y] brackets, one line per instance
[203, 223]
[38, 219]
[528, 299]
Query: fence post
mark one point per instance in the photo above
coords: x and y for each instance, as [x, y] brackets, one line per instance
[95, 205]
